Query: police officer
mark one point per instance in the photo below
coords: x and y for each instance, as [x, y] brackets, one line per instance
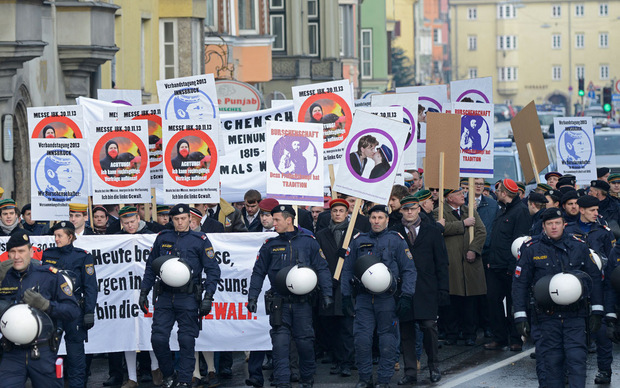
[291, 247]
[381, 310]
[67, 257]
[562, 325]
[179, 304]
[44, 289]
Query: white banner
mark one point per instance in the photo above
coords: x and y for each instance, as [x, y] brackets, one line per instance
[121, 326]
[120, 96]
[295, 163]
[59, 174]
[56, 122]
[120, 164]
[188, 98]
[191, 162]
[574, 141]
[95, 110]
[476, 139]
[480, 90]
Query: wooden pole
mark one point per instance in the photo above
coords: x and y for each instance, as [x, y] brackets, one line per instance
[332, 179]
[441, 185]
[296, 219]
[347, 236]
[90, 211]
[533, 161]
[471, 205]
[153, 205]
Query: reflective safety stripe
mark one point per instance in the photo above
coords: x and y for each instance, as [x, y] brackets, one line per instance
[520, 314]
[612, 315]
[597, 307]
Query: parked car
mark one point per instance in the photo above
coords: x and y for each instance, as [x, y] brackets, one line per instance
[502, 113]
[506, 162]
[606, 142]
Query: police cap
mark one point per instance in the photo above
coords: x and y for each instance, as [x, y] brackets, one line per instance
[568, 195]
[566, 180]
[602, 171]
[283, 208]
[379, 208]
[17, 240]
[62, 225]
[550, 214]
[179, 209]
[587, 201]
[599, 184]
[536, 198]
[26, 208]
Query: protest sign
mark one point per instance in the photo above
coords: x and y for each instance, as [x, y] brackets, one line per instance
[59, 172]
[120, 167]
[191, 163]
[96, 110]
[476, 139]
[480, 90]
[409, 104]
[152, 114]
[49, 122]
[120, 262]
[371, 157]
[295, 163]
[330, 104]
[574, 142]
[188, 98]
[120, 96]
[443, 138]
[530, 143]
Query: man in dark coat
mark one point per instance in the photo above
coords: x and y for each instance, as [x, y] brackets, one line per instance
[339, 326]
[432, 289]
[361, 222]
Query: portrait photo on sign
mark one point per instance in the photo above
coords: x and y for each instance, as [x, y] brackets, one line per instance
[57, 128]
[186, 104]
[295, 157]
[575, 147]
[155, 141]
[372, 155]
[191, 157]
[59, 177]
[475, 134]
[330, 110]
[119, 159]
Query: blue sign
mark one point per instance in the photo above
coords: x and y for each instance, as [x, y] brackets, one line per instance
[591, 94]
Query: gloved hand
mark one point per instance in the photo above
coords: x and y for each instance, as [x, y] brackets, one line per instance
[523, 328]
[594, 323]
[144, 301]
[205, 305]
[251, 305]
[89, 321]
[443, 298]
[328, 302]
[403, 308]
[611, 328]
[347, 306]
[5, 266]
[36, 300]
[342, 252]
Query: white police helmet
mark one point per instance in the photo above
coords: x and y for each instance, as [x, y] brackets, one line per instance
[374, 275]
[516, 245]
[597, 259]
[565, 288]
[174, 272]
[301, 280]
[23, 325]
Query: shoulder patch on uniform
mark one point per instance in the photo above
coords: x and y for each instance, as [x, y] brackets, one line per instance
[66, 289]
[408, 253]
[322, 254]
[90, 269]
[52, 269]
[210, 252]
[517, 271]
[607, 228]
[578, 239]
[357, 235]
[204, 236]
[400, 235]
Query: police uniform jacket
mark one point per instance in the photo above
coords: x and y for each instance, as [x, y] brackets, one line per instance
[49, 283]
[194, 248]
[83, 265]
[599, 237]
[285, 250]
[536, 227]
[39, 228]
[392, 250]
[543, 256]
[610, 210]
[612, 299]
[511, 222]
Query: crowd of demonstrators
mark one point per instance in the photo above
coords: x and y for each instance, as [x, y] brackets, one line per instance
[450, 279]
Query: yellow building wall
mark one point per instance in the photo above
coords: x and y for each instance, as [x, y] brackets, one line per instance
[182, 8]
[402, 10]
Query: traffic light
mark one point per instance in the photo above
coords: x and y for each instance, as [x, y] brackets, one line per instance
[581, 88]
[607, 99]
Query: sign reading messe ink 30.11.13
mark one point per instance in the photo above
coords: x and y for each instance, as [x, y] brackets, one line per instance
[191, 165]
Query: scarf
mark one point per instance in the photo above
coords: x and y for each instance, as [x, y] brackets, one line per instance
[411, 226]
[338, 230]
[9, 228]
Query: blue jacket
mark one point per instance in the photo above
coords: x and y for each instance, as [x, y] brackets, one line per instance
[597, 235]
[394, 253]
[83, 265]
[194, 248]
[288, 249]
[487, 210]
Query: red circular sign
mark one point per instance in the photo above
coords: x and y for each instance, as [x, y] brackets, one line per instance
[155, 141]
[130, 151]
[334, 105]
[201, 155]
[63, 126]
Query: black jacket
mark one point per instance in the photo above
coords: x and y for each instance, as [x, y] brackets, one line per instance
[511, 222]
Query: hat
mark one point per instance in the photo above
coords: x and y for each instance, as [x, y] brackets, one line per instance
[536, 198]
[566, 189]
[78, 207]
[420, 170]
[195, 212]
[544, 186]
[409, 201]
[550, 214]
[267, 204]
[602, 171]
[487, 185]
[387, 152]
[587, 201]
[100, 209]
[128, 211]
[599, 184]
[163, 209]
[521, 187]
[7, 204]
[179, 209]
[554, 194]
[552, 174]
[422, 195]
[26, 207]
[379, 208]
[615, 178]
[464, 180]
[338, 202]
[566, 180]
[447, 192]
[510, 185]
[408, 176]
[17, 240]
[1, 192]
[570, 194]
[62, 225]
[283, 208]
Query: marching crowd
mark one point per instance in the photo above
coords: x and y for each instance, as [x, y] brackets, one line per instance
[403, 279]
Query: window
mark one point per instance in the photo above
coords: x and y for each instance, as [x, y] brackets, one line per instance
[579, 10]
[603, 40]
[556, 11]
[277, 29]
[604, 72]
[506, 42]
[276, 4]
[473, 72]
[313, 39]
[579, 40]
[506, 11]
[507, 73]
[347, 40]
[248, 16]
[211, 17]
[556, 73]
[472, 13]
[197, 45]
[366, 53]
[313, 9]
[580, 71]
[472, 42]
[437, 36]
[168, 64]
[603, 10]
[556, 41]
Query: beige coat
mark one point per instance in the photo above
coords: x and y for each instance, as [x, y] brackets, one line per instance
[466, 279]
